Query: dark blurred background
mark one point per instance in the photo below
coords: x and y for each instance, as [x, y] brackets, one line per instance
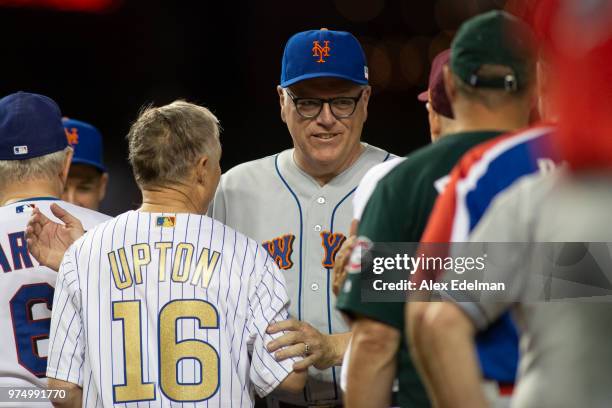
[102, 60]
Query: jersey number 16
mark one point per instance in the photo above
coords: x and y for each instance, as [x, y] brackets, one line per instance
[171, 352]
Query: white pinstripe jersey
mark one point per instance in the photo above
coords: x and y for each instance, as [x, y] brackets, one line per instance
[157, 310]
[26, 295]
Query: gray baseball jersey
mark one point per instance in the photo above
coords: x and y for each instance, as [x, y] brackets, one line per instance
[152, 309]
[26, 293]
[565, 345]
[302, 225]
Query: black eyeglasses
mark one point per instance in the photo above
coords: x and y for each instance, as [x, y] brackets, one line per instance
[341, 107]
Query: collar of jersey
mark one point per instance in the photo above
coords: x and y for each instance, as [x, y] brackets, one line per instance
[36, 199]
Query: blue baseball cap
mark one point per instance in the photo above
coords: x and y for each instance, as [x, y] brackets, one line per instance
[323, 53]
[30, 126]
[86, 141]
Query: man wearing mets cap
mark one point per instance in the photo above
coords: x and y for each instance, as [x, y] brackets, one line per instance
[87, 180]
[34, 162]
[297, 203]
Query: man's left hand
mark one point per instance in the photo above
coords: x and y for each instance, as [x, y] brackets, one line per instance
[321, 351]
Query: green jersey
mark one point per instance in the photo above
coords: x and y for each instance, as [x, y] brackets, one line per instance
[398, 211]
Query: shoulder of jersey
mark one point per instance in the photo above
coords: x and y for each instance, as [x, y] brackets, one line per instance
[532, 189]
[417, 157]
[250, 168]
[398, 169]
[384, 167]
[381, 152]
[493, 149]
[89, 218]
[240, 237]
[253, 245]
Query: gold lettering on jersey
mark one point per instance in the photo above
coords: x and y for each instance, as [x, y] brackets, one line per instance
[180, 269]
[141, 255]
[171, 350]
[121, 281]
[205, 267]
[133, 388]
[163, 248]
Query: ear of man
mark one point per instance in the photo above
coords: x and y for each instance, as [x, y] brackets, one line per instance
[281, 100]
[449, 84]
[202, 170]
[365, 97]
[102, 186]
[66, 167]
[434, 122]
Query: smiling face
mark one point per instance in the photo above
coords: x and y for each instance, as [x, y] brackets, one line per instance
[325, 145]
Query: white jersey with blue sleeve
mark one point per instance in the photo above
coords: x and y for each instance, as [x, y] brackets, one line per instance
[155, 309]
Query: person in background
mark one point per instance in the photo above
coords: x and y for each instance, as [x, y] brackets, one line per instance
[440, 116]
[439, 109]
[88, 177]
[34, 162]
[565, 353]
[490, 83]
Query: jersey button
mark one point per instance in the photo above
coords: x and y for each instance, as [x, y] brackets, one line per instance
[321, 200]
[317, 228]
[314, 287]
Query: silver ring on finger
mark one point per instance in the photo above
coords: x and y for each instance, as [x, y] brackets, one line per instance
[306, 349]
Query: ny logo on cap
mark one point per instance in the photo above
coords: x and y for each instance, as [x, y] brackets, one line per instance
[319, 51]
[72, 135]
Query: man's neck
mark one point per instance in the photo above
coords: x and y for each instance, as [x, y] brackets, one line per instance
[25, 190]
[322, 177]
[482, 121]
[166, 200]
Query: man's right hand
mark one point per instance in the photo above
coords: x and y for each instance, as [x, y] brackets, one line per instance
[48, 240]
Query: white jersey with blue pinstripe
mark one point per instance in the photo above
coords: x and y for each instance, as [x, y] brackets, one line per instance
[302, 226]
[26, 294]
[155, 310]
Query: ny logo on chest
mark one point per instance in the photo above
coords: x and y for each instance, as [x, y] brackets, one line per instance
[281, 248]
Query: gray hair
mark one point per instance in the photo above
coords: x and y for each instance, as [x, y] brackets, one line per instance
[43, 167]
[165, 142]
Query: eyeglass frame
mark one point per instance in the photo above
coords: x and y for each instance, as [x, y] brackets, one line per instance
[324, 101]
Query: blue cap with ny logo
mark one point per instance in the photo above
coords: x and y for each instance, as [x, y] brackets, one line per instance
[86, 141]
[323, 53]
[30, 126]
